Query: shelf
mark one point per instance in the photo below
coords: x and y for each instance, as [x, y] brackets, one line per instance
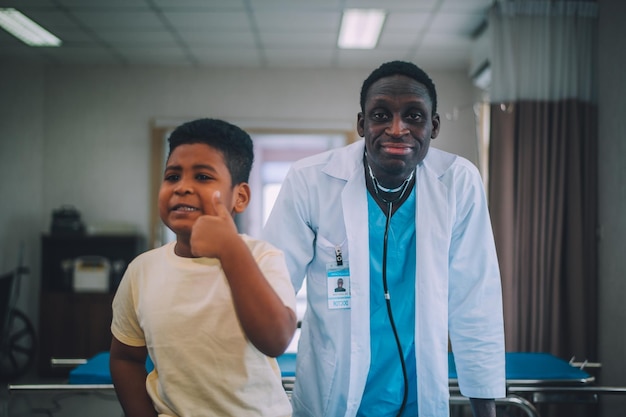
[72, 324]
[59, 252]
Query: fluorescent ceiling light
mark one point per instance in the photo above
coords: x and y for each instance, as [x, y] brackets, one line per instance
[26, 30]
[360, 28]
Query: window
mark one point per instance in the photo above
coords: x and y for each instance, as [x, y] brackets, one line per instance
[273, 155]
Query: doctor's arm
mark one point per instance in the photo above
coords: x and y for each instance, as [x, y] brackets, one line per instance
[475, 301]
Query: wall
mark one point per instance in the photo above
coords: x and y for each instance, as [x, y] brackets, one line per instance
[81, 136]
[612, 201]
[21, 174]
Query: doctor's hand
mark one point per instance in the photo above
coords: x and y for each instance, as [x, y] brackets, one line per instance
[213, 234]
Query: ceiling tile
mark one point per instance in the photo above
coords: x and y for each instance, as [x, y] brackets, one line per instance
[298, 57]
[230, 60]
[216, 52]
[464, 24]
[297, 21]
[134, 38]
[393, 4]
[444, 40]
[466, 5]
[150, 54]
[201, 4]
[397, 40]
[302, 5]
[194, 20]
[8, 40]
[83, 55]
[302, 39]
[73, 35]
[51, 20]
[208, 38]
[103, 4]
[115, 20]
[26, 4]
[401, 21]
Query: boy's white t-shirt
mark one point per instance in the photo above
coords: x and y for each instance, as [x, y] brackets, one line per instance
[182, 310]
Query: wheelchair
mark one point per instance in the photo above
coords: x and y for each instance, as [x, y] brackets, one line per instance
[18, 342]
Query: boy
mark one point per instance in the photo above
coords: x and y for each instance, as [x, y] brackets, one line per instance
[210, 308]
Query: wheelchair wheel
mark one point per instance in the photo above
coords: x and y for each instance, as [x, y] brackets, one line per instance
[17, 352]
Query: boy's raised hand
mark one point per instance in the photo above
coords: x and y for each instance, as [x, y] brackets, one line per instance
[212, 234]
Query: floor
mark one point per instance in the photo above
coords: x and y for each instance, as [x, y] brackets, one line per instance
[16, 401]
[63, 404]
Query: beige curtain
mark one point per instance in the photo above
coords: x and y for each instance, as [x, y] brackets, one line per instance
[542, 199]
[542, 186]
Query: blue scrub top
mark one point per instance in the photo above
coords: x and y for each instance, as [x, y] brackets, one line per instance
[385, 385]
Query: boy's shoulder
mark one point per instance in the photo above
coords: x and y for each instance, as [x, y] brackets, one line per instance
[258, 246]
[155, 253]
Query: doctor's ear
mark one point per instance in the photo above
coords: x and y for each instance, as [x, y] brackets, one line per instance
[436, 125]
[360, 124]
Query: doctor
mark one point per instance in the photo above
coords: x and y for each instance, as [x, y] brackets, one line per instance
[407, 229]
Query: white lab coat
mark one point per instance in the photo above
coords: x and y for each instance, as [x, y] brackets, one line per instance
[322, 204]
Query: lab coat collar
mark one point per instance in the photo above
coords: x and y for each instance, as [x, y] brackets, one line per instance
[346, 161]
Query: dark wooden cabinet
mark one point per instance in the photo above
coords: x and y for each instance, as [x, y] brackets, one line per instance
[76, 324]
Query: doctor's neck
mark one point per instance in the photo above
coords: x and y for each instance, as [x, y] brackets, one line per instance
[388, 196]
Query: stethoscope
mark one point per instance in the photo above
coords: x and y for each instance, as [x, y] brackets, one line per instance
[402, 190]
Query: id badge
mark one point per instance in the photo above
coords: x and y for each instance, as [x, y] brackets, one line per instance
[338, 286]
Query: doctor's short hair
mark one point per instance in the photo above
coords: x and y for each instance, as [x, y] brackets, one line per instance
[233, 142]
[407, 69]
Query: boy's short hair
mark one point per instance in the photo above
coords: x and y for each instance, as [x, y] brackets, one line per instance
[234, 143]
[407, 69]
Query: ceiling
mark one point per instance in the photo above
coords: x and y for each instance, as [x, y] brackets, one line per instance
[436, 34]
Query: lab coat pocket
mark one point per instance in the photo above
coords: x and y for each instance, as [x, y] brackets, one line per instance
[317, 359]
[328, 250]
